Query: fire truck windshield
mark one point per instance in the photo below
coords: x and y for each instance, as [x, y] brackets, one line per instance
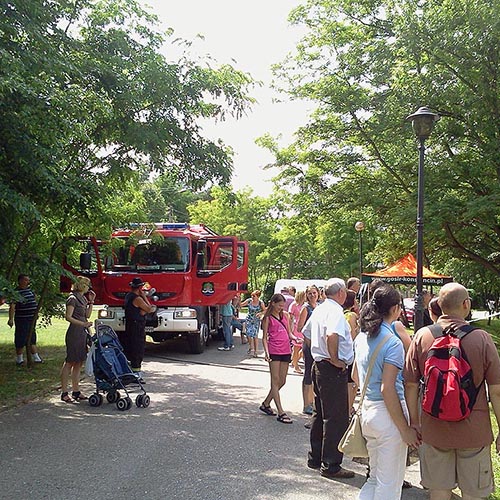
[161, 254]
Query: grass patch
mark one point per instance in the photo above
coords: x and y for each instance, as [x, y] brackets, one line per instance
[20, 384]
[495, 459]
[494, 330]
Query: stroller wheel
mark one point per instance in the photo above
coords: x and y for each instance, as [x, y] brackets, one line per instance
[95, 400]
[129, 403]
[122, 404]
[142, 400]
[113, 396]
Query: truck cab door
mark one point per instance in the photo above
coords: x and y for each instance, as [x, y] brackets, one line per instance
[81, 258]
[220, 267]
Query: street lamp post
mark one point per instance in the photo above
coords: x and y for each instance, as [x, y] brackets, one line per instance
[360, 227]
[423, 121]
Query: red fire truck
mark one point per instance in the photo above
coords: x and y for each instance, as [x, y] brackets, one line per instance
[189, 269]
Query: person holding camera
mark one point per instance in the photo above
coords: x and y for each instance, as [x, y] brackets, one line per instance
[133, 340]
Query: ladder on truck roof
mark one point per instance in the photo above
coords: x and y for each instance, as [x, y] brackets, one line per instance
[201, 229]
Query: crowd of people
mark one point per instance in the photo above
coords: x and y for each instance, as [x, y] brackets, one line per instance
[343, 348]
[336, 340]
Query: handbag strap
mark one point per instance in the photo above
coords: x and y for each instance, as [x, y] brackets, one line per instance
[370, 366]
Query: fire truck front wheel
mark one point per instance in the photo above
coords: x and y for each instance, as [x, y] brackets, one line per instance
[198, 340]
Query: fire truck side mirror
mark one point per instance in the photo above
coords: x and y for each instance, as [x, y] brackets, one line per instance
[200, 254]
[85, 261]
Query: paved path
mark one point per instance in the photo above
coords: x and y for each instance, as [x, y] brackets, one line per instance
[202, 438]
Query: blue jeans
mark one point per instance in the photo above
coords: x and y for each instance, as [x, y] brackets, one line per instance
[227, 329]
[238, 323]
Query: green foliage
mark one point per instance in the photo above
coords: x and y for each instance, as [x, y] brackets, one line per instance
[284, 240]
[89, 109]
[368, 64]
[248, 217]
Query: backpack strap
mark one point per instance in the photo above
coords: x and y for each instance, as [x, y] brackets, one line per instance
[464, 330]
[436, 330]
[459, 333]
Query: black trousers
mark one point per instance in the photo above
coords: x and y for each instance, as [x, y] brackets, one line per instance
[331, 415]
[133, 340]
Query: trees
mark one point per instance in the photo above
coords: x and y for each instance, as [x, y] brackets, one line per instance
[89, 108]
[248, 217]
[285, 240]
[368, 64]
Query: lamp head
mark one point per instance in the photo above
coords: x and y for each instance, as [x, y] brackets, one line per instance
[359, 226]
[423, 122]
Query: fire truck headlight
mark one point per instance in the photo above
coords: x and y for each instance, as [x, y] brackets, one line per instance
[185, 314]
[105, 313]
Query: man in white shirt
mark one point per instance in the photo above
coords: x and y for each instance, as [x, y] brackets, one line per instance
[332, 350]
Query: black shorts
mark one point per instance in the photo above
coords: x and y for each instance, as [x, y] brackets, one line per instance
[286, 358]
[22, 330]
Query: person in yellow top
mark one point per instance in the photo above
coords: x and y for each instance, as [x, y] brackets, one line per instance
[350, 306]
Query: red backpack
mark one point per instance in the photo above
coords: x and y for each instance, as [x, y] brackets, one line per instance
[449, 390]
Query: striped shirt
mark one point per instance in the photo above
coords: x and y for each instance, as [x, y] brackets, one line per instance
[26, 307]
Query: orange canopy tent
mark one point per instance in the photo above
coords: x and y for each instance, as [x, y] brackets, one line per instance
[404, 272]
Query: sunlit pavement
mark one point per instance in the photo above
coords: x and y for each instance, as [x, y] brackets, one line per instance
[203, 437]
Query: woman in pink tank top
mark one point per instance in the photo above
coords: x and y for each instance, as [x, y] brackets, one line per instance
[277, 337]
[294, 310]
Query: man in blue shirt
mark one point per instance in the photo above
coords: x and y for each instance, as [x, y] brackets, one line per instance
[332, 351]
[226, 312]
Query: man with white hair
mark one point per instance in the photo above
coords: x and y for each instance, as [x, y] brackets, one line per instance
[332, 350]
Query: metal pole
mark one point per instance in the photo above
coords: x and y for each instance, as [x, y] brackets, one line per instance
[360, 255]
[418, 320]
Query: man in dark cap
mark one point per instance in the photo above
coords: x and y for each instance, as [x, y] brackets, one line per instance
[133, 339]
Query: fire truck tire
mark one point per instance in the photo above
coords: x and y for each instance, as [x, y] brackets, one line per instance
[197, 341]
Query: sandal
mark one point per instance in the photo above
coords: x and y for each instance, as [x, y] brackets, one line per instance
[65, 397]
[251, 353]
[267, 410]
[78, 396]
[284, 419]
[406, 485]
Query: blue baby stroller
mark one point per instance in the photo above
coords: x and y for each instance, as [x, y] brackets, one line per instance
[112, 372]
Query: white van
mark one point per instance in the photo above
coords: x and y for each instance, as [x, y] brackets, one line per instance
[299, 285]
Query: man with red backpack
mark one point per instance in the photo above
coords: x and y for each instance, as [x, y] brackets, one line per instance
[456, 436]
